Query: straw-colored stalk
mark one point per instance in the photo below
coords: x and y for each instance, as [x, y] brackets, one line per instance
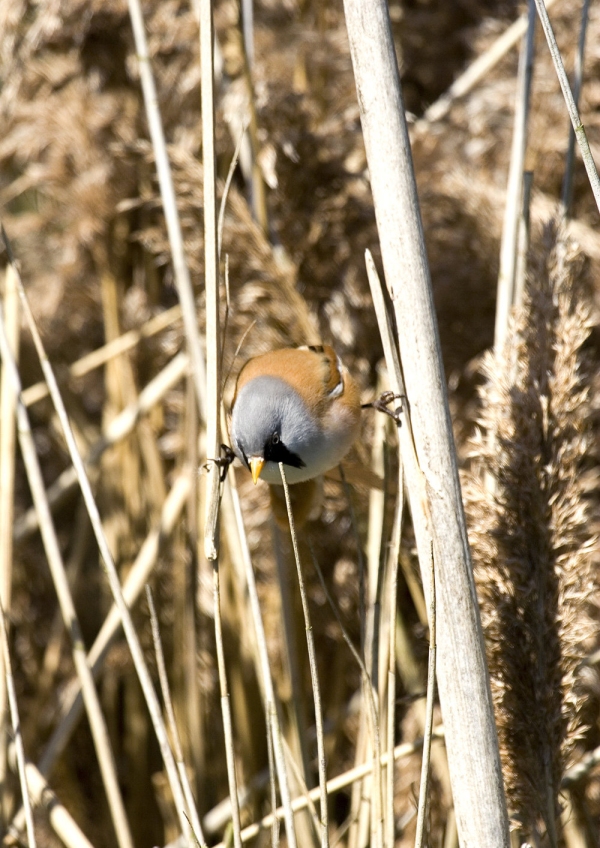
[16, 727]
[55, 561]
[394, 556]
[514, 192]
[7, 501]
[109, 564]
[567, 188]
[314, 675]
[213, 385]
[61, 821]
[436, 507]
[335, 784]
[371, 713]
[166, 693]
[233, 506]
[167, 192]
[429, 464]
[361, 817]
[421, 834]
[121, 426]
[578, 128]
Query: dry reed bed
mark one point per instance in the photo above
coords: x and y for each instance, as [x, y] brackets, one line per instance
[82, 208]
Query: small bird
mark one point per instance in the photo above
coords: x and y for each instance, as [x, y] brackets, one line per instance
[298, 406]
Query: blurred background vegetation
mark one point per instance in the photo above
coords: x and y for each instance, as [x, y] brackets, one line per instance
[81, 205]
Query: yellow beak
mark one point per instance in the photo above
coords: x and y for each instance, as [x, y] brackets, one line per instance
[256, 466]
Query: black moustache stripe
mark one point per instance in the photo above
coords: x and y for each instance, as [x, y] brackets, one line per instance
[280, 453]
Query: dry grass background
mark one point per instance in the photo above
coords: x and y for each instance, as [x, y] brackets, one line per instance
[81, 206]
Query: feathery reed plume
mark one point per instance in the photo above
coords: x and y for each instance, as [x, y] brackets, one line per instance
[531, 536]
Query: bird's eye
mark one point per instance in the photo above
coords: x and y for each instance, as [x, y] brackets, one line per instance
[275, 439]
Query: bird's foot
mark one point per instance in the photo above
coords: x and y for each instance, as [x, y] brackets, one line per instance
[223, 462]
[383, 402]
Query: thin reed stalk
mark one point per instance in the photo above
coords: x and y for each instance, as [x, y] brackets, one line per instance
[436, 506]
[273, 790]
[99, 357]
[368, 687]
[567, 188]
[424, 784]
[16, 726]
[167, 193]
[523, 240]
[578, 128]
[110, 569]
[67, 607]
[7, 500]
[72, 702]
[394, 556]
[297, 731]
[213, 385]
[361, 818]
[314, 674]
[335, 784]
[514, 191]
[264, 670]
[121, 426]
[226, 187]
[192, 811]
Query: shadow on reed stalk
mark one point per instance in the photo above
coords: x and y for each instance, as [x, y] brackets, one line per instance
[530, 517]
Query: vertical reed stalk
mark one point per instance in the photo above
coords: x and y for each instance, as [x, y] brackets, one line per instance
[166, 693]
[567, 189]
[109, 564]
[523, 241]
[213, 384]
[424, 786]
[7, 483]
[16, 726]
[264, 676]
[514, 191]
[314, 675]
[394, 556]
[167, 192]
[65, 600]
[578, 128]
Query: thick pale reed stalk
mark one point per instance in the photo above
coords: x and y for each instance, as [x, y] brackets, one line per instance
[433, 485]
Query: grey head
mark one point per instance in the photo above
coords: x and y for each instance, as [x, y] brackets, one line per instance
[270, 420]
